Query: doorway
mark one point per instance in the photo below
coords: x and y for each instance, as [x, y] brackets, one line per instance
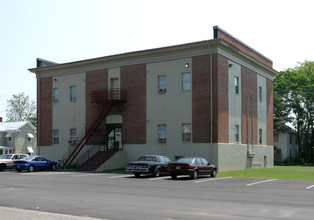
[114, 136]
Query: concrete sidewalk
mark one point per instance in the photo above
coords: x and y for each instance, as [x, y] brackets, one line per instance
[22, 214]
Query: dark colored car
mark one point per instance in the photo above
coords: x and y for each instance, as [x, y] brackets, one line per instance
[149, 164]
[193, 166]
[33, 163]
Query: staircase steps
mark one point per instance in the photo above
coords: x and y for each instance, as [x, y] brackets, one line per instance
[97, 160]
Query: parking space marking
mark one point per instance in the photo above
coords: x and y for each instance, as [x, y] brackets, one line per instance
[86, 174]
[309, 187]
[159, 178]
[212, 179]
[120, 176]
[264, 181]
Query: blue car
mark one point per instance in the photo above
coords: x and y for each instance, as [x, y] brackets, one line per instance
[33, 163]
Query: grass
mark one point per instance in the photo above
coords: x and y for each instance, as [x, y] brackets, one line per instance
[278, 172]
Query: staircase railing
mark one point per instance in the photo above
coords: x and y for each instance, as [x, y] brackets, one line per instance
[85, 135]
[89, 153]
[105, 99]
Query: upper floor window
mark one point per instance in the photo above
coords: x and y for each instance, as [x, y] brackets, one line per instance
[186, 132]
[236, 84]
[73, 93]
[186, 82]
[162, 83]
[162, 133]
[260, 92]
[55, 136]
[236, 133]
[55, 95]
[72, 134]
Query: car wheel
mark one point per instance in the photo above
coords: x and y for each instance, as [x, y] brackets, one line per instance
[137, 174]
[195, 174]
[2, 167]
[54, 167]
[18, 170]
[174, 176]
[157, 172]
[214, 173]
[31, 169]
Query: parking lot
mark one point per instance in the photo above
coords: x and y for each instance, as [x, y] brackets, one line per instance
[76, 195]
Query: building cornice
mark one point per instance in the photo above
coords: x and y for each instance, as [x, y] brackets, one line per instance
[157, 55]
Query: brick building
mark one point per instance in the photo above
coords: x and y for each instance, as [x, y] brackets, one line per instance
[210, 98]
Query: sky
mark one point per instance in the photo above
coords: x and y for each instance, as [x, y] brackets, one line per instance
[70, 30]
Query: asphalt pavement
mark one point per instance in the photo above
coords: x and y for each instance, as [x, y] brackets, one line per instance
[74, 195]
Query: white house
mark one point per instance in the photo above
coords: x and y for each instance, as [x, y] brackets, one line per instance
[17, 137]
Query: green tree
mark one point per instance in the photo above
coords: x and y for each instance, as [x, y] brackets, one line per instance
[21, 108]
[293, 102]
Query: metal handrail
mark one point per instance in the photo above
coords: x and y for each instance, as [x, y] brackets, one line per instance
[89, 153]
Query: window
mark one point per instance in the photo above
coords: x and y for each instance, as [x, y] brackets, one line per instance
[72, 134]
[9, 139]
[162, 133]
[236, 84]
[186, 81]
[236, 133]
[55, 95]
[55, 136]
[260, 90]
[186, 132]
[162, 83]
[260, 136]
[73, 93]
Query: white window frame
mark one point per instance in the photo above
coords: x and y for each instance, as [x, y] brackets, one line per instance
[186, 132]
[73, 134]
[260, 94]
[237, 85]
[237, 133]
[186, 81]
[55, 95]
[162, 83]
[260, 136]
[162, 132]
[73, 94]
[55, 136]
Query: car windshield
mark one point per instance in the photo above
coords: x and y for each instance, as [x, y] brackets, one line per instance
[6, 156]
[147, 158]
[186, 160]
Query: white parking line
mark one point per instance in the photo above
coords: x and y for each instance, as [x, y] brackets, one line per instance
[86, 174]
[212, 179]
[159, 178]
[309, 187]
[120, 176]
[265, 181]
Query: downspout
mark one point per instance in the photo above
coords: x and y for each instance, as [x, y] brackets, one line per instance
[211, 99]
[38, 113]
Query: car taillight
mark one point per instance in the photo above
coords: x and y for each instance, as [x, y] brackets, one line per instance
[23, 162]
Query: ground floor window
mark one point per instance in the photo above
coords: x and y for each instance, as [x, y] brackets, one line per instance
[55, 136]
[186, 132]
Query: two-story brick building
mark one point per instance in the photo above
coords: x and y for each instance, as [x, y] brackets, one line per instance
[211, 98]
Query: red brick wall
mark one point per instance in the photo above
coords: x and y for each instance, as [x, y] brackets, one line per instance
[270, 125]
[249, 90]
[44, 87]
[133, 79]
[220, 99]
[201, 99]
[96, 80]
[225, 36]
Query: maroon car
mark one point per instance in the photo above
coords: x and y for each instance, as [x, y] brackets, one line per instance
[193, 166]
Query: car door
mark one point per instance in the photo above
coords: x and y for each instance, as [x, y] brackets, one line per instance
[207, 169]
[41, 163]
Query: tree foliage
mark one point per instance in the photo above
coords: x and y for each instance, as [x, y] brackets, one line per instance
[293, 103]
[21, 108]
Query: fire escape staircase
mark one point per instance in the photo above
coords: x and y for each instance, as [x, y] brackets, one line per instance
[104, 101]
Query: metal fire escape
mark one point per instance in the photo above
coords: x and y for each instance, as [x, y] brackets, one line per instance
[104, 101]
